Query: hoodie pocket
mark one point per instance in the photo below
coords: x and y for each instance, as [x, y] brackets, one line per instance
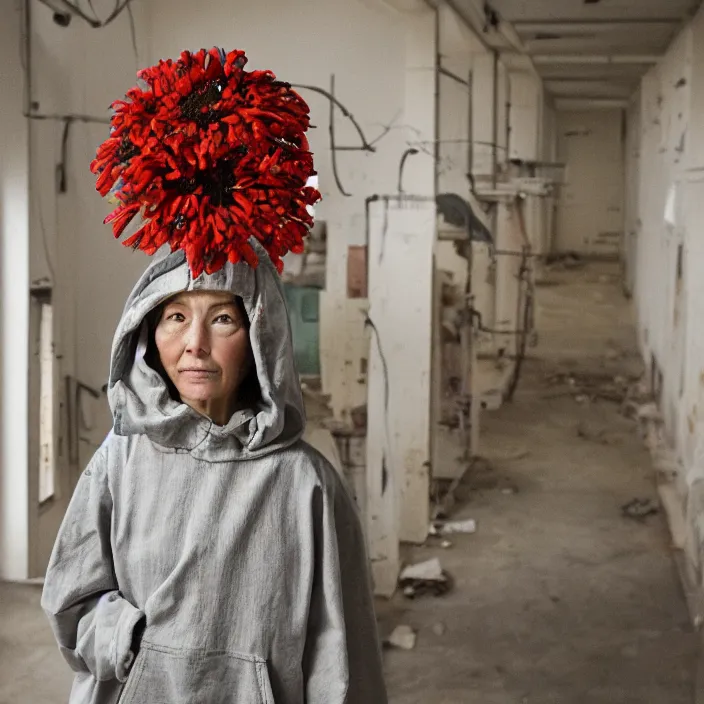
[163, 675]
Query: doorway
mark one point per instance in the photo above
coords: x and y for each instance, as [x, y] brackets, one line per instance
[49, 488]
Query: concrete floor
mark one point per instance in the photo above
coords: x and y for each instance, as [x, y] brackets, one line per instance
[558, 599]
[31, 669]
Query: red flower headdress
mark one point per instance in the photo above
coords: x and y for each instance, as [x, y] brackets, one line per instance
[209, 155]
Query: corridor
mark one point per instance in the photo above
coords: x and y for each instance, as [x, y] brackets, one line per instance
[558, 598]
[489, 172]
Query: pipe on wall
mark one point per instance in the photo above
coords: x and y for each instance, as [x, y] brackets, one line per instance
[544, 59]
[495, 126]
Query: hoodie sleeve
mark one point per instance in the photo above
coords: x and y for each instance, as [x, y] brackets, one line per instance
[92, 622]
[342, 663]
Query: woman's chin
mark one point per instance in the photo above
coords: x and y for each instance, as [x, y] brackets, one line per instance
[198, 393]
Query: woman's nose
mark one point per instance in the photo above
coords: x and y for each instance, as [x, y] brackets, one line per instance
[197, 340]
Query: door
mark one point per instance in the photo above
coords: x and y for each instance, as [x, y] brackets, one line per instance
[49, 485]
[591, 207]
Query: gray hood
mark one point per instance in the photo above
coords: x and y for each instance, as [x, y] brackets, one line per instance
[139, 397]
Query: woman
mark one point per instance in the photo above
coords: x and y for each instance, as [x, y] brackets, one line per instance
[209, 555]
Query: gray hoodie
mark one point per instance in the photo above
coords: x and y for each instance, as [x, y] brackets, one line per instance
[236, 546]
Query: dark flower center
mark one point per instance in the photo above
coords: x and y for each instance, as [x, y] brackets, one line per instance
[205, 97]
[127, 150]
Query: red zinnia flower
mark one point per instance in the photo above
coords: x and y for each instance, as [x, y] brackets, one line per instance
[210, 155]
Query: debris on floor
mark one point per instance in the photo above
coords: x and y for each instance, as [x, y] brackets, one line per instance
[648, 411]
[586, 386]
[596, 434]
[403, 637]
[482, 476]
[641, 407]
[639, 403]
[450, 527]
[430, 570]
[439, 629]
[667, 465]
[425, 578]
[445, 494]
[564, 261]
[639, 509]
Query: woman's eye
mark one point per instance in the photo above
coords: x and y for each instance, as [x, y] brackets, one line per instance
[224, 318]
[176, 317]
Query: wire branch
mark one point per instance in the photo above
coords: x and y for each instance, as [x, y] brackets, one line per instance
[333, 151]
[63, 118]
[94, 22]
[366, 146]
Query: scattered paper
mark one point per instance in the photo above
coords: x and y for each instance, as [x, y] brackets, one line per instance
[450, 527]
[403, 637]
[430, 571]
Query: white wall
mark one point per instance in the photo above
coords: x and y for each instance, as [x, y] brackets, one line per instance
[665, 109]
[78, 70]
[74, 71]
[383, 61]
[460, 53]
[666, 151]
[14, 297]
[526, 116]
[364, 45]
[381, 76]
[548, 138]
[590, 211]
[632, 189]
[83, 71]
[490, 88]
[689, 435]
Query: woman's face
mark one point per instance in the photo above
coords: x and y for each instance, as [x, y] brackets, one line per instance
[203, 343]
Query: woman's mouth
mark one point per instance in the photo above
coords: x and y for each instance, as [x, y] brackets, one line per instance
[197, 373]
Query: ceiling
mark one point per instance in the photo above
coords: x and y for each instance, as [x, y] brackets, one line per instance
[593, 50]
